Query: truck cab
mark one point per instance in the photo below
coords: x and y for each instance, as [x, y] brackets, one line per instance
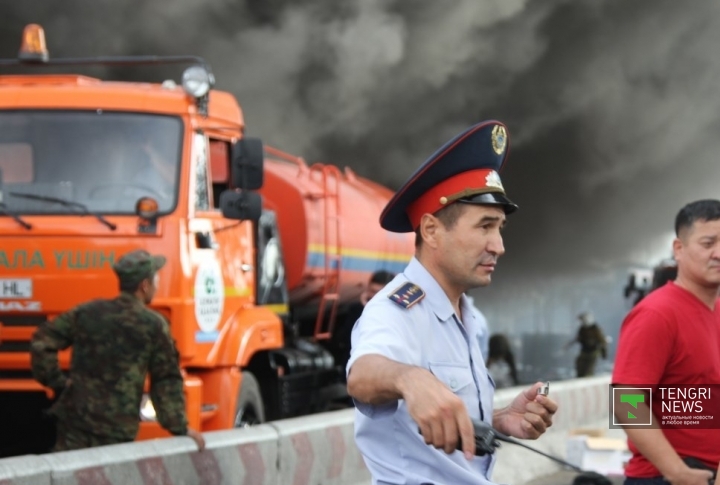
[257, 265]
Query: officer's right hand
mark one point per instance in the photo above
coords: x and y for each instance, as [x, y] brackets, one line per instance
[439, 413]
[197, 437]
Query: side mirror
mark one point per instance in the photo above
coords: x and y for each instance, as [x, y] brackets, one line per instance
[247, 164]
[242, 205]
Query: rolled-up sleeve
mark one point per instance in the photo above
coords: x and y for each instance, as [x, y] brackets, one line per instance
[47, 341]
[383, 329]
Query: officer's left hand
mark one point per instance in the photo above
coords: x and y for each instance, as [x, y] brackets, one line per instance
[528, 416]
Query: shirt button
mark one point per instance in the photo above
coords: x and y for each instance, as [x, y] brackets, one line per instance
[453, 384]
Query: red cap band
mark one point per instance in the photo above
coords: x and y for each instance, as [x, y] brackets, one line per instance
[464, 184]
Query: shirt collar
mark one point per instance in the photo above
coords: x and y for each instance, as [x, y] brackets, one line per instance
[470, 314]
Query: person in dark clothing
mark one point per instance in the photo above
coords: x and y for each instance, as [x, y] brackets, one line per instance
[116, 344]
[501, 362]
[342, 333]
[592, 344]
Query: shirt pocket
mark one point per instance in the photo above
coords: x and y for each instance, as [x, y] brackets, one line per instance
[457, 377]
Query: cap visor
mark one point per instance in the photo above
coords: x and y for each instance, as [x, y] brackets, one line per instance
[158, 261]
[492, 198]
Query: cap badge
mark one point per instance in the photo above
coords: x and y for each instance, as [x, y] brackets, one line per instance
[499, 139]
[493, 180]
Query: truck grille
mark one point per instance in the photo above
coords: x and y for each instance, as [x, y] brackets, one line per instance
[14, 322]
[22, 320]
[15, 374]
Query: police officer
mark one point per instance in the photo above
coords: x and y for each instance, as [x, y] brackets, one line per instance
[115, 343]
[416, 371]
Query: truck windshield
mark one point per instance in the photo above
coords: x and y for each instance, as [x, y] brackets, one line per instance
[104, 161]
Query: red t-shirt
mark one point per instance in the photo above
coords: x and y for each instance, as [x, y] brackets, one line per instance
[671, 337]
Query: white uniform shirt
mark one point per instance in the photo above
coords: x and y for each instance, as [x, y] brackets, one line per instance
[428, 334]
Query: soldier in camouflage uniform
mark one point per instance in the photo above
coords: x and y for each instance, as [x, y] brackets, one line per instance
[592, 344]
[115, 344]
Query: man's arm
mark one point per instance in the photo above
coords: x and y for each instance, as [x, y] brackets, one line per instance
[440, 414]
[377, 380]
[166, 383]
[655, 447]
[48, 339]
[601, 341]
[571, 342]
[166, 387]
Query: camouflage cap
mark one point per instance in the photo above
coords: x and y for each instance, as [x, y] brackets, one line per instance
[137, 265]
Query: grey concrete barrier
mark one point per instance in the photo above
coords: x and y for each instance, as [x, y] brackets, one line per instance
[24, 470]
[318, 450]
[246, 456]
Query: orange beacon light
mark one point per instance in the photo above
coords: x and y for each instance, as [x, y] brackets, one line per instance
[33, 46]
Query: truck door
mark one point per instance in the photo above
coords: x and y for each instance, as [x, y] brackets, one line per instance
[222, 255]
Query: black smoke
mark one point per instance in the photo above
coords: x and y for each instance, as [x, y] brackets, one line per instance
[612, 106]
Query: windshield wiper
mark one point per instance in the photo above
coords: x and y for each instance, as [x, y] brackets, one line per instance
[4, 211]
[66, 203]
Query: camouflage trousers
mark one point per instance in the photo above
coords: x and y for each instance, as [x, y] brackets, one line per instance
[72, 438]
[585, 364]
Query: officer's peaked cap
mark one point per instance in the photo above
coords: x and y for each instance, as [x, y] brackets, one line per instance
[465, 169]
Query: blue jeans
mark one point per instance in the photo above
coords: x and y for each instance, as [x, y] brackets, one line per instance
[646, 481]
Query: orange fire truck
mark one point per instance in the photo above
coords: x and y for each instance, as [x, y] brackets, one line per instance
[263, 250]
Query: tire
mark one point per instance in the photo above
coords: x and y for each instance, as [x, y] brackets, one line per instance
[249, 409]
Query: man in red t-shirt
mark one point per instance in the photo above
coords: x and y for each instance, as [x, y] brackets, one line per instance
[672, 337]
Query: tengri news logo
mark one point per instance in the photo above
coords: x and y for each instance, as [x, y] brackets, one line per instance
[631, 406]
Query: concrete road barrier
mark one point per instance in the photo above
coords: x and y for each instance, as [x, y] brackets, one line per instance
[317, 450]
[320, 449]
[24, 470]
[247, 457]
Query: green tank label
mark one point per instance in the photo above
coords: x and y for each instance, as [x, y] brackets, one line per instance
[75, 260]
[81, 260]
[21, 258]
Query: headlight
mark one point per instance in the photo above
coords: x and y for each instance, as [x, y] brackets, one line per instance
[147, 411]
[197, 81]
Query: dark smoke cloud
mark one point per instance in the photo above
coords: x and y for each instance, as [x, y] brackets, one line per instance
[612, 106]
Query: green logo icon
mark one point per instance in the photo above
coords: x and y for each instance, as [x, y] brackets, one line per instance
[638, 413]
[209, 286]
[633, 400]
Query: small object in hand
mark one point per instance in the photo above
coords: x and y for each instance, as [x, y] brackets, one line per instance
[544, 389]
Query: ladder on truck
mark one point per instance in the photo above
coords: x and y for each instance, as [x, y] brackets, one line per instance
[330, 299]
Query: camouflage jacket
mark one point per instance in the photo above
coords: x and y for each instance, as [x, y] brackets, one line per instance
[115, 344]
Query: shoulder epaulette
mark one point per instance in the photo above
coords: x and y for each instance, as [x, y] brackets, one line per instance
[407, 295]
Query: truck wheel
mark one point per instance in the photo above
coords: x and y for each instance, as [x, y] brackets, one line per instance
[249, 409]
